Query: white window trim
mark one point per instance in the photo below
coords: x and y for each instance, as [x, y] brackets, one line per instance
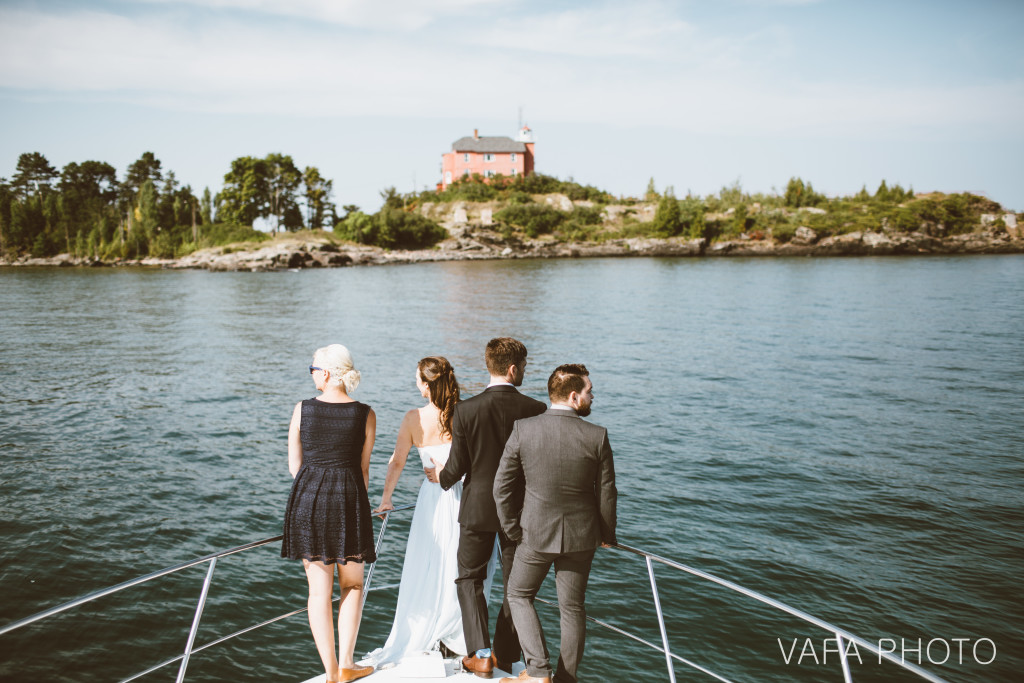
[488, 157]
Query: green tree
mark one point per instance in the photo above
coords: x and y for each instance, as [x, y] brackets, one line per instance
[882, 193]
[741, 221]
[146, 225]
[89, 181]
[894, 194]
[320, 210]
[798, 194]
[206, 207]
[147, 167]
[33, 175]
[282, 192]
[244, 196]
[667, 217]
[19, 230]
[691, 212]
[262, 188]
[392, 199]
[795, 192]
[652, 192]
[5, 215]
[167, 213]
[88, 194]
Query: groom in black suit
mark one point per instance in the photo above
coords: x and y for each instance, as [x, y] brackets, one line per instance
[480, 427]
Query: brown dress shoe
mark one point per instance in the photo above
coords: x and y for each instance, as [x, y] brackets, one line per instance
[484, 668]
[525, 677]
[354, 674]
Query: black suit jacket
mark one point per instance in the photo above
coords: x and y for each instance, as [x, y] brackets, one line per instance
[480, 427]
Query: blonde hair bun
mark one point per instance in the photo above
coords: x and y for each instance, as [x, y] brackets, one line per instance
[337, 360]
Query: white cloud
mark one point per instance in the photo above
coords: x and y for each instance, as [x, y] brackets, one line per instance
[385, 14]
[635, 29]
[782, 3]
[636, 66]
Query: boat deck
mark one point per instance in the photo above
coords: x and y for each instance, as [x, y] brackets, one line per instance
[409, 674]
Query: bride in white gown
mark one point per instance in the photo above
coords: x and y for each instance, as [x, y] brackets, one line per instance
[428, 610]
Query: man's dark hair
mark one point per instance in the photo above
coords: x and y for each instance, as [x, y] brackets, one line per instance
[502, 352]
[567, 379]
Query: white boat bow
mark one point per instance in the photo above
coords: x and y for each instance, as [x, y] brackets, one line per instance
[409, 673]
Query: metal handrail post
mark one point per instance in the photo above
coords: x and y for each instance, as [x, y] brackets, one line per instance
[195, 621]
[661, 622]
[376, 551]
[842, 658]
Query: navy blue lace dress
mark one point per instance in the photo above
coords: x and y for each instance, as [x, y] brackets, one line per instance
[328, 515]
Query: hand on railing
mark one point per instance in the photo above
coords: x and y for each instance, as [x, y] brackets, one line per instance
[383, 509]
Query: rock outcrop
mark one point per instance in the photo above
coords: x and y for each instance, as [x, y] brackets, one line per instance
[478, 243]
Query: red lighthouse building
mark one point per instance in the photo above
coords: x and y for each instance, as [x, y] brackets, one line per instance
[488, 156]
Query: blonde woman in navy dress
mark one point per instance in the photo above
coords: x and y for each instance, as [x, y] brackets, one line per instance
[327, 523]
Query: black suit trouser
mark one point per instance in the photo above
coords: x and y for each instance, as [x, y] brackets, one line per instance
[475, 548]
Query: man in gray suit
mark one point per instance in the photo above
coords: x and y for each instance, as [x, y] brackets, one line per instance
[567, 512]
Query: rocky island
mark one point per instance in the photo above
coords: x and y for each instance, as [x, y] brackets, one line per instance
[474, 232]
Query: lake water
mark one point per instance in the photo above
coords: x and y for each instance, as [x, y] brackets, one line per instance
[844, 435]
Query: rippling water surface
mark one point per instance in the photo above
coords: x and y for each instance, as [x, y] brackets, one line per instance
[842, 435]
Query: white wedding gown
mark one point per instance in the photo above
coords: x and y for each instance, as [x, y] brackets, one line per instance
[428, 606]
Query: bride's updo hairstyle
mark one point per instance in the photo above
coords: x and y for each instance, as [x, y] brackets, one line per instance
[439, 377]
[338, 361]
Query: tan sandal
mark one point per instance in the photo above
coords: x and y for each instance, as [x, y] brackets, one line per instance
[355, 674]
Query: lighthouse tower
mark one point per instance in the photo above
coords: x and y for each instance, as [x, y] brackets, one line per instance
[525, 136]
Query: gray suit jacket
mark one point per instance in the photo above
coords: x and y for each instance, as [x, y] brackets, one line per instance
[566, 464]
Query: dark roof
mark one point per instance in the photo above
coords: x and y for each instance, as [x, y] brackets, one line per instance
[488, 145]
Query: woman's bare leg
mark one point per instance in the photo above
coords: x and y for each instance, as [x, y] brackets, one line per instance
[349, 611]
[321, 613]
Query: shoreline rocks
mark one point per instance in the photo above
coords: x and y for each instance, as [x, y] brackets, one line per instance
[483, 244]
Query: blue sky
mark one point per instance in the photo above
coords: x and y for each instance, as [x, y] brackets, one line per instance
[696, 95]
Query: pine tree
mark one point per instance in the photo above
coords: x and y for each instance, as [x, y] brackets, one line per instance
[667, 218]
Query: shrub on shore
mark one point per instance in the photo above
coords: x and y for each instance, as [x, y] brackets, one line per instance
[393, 227]
[499, 187]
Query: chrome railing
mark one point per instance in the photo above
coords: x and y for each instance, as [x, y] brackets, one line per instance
[190, 648]
[842, 636]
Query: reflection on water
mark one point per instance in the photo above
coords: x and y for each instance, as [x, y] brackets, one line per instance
[841, 434]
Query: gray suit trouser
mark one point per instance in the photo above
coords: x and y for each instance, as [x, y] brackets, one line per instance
[572, 570]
